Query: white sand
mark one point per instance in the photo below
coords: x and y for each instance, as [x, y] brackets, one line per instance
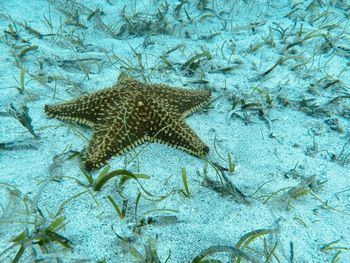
[303, 145]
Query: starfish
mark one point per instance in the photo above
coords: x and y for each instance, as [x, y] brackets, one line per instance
[130, 113]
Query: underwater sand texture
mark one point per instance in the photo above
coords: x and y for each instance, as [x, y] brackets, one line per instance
[275, 185]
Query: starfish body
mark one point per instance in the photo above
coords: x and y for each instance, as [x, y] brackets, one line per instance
[130, 113]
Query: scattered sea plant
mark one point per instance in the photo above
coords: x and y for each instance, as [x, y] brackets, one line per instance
[338, 249]
[120, 212]
[23, 117]
[150, 252]
[241, 249]
[40, 236]
[40, 233]
[105, 175]
[186, 192]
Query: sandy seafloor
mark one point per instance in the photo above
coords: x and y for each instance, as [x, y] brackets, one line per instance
[286, 129]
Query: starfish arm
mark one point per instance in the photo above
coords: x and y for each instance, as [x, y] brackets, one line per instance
[126, 81]
[183, 101]
[107, 142]
[179, 135]
[84, 110]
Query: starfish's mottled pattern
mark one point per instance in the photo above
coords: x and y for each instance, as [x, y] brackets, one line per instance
[130, 113]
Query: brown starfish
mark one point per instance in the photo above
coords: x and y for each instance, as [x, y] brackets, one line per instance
[130, 113]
